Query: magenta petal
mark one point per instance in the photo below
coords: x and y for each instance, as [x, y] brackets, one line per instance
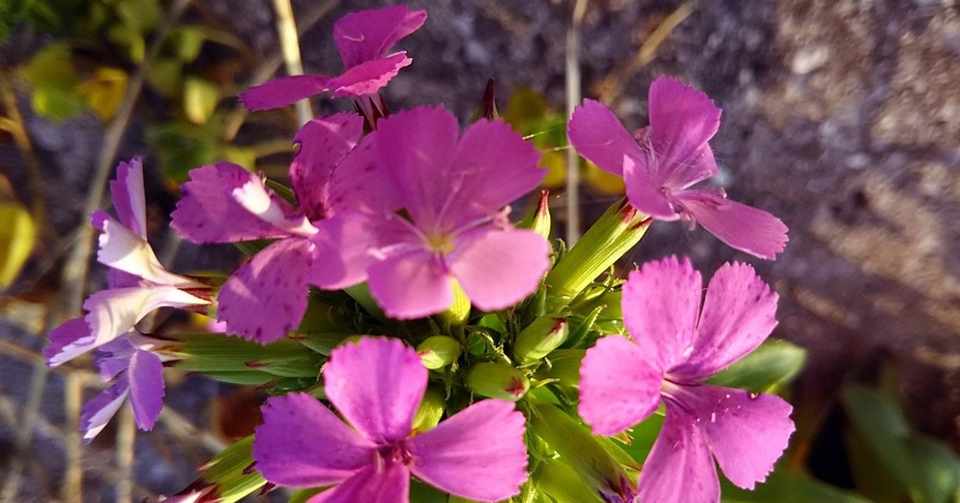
[739, 313]
[69, 332]
[342, 253]
[680, 468]
[619, 387]
[746, 432]
[410, 285]
[361, 182]
[388, 484]
[742, 227]
[478, 454]
[497, 167]
[597, 134]
[100, 409]
[376, 384]
[682, 120]
[266, 297]
[661, 303]
[644, 192]
[419, 145]
[145, 375]
[120, 248]
[114, 357]
[283, 91]
[129, 201]
[500, 268]
[302, 443]
[208, 213]
[323, 142]
[369, 34]
[368, 77]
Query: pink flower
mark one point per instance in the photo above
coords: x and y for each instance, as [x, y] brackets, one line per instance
[224, 203]
[673, 348]
[138, 282]
[664, 160]
[376, 385]
[445, 219]
[364, 40]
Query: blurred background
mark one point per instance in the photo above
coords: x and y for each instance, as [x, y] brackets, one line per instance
[842, 117]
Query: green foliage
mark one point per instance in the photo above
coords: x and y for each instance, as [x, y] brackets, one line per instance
[182, 146]
[785, 486]
[230, 474]
[922, 468]
[224, 356]
[200, 99]
[772, 365]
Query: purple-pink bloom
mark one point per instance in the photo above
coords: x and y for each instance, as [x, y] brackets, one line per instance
[136, 373]
[364, 40]
[138, 283]
[225, 203]
[673, 347]
[376, 384]
[445, 219]
[664, 160]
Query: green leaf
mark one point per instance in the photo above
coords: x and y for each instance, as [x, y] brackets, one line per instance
[226, 472]
[164, 76]
[129, 38]
[242, 378]
[51, 66]
[769, 367]
[139, 16]
[182, 146]
[784, 486]
[420, 492]
[55, 103]
[187, 42]
[17, 238]
[200, 99]
[214, 353]
[927, 470]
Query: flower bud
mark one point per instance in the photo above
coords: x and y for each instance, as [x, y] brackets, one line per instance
[430, 411]
[497, 380]
[539, 219]
[438, 351]
[562, 483]
[540, 338]
[610, 237]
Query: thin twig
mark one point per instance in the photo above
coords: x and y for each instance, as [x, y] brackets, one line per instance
[72, 490]
[236, 117]
[126, 439]
[611, 87]
[290, 47]
[573, 99]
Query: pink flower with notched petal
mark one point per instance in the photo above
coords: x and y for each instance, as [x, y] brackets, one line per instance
[673, 347]
[225, 203]
[138, 283]
[364, 40]
[444, 220]
[661, 164]
[376, 385]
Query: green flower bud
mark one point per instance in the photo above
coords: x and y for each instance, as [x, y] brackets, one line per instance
[540, 338]
[539, 219]
[430, 411]
[497, 380]
[610, 237]
[438, 351]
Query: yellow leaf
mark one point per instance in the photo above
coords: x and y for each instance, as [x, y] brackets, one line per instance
[200, 99]
[17, 236]
[602, 181]
[104, 91]
[556, 165]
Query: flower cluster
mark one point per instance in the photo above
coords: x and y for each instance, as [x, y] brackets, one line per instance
[453, 346]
